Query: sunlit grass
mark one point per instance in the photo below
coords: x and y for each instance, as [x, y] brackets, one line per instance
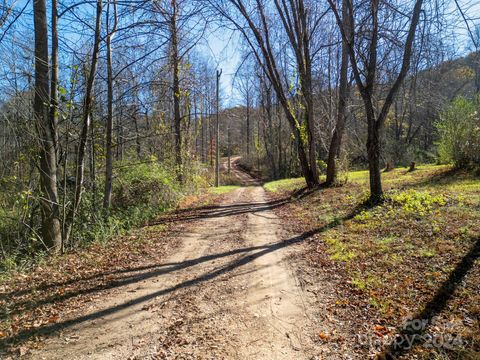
[223, 189]
[285, 185]
[398, 253]
[361, 177]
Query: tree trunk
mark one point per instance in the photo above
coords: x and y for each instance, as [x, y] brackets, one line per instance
[202, 132]
[107, 195]
[304, 164]
[310, 116]
[138, 144]
[336, 142]
[281, 165]
[312, 146]
[93, 166]
[176, 91]
[51, 228]
[248, 123]
[373, 151]
[87, 109]
[217, 132]
[54, 77]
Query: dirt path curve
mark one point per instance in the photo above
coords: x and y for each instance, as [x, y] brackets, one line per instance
[227, 292]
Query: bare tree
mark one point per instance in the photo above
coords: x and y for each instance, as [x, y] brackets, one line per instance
[366, 80]
[175, 64]
[86, 122]
[336, 140]
[107, 198]
[295, 22]
[51, 227]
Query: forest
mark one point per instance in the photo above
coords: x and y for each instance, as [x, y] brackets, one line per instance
[240, 179]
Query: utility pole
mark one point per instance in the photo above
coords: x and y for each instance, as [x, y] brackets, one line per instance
[217, 135]
[228, 145]
[248, 122]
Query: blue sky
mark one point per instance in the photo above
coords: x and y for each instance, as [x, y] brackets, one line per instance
[222, 45]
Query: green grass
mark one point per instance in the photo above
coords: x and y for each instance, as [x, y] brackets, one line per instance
[398, 254]
[223, 189]
[285, 185]
[391, 179]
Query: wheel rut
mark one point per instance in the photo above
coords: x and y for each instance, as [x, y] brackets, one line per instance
[227, 292]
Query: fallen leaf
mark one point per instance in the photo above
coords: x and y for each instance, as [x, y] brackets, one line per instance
[53, 319]
[380, 328]
[323, 336]
[22, 351]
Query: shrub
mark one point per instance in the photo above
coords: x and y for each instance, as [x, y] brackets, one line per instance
[140, 192]
[459, 133]
[322, 166]
[145, 184]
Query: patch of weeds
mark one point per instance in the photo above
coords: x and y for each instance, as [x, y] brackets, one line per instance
[358, 176]
[349, 198]
[359, 283]
[154, 228]
[364, 216]
[464, 231]
[326, 218]
[428, 253]
[393, 259]
[338, 250]
[436, 228]
[383, 305]
[365, 281]
[341, 254]
[417, 202]
[324, 207]
[387, 240]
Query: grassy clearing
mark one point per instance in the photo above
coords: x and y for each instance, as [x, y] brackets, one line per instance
[223, 189]
[395, 257]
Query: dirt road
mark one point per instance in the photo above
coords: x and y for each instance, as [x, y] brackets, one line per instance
[226, 292]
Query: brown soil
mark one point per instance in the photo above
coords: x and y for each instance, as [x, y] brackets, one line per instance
[227, 291]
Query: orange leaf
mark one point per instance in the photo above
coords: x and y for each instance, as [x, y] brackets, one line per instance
[323, 336]
[53, 319]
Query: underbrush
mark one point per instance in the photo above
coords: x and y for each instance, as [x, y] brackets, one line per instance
[395, 257]
[229, 179]
[140, 193]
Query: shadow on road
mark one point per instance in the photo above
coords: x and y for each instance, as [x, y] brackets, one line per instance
[217, 211]
[243, 256]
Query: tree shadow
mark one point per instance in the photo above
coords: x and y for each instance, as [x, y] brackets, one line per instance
[442, 177]
[247, 255]
[195, 213]
[411, 334]
[58, 284]
[217, 211]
